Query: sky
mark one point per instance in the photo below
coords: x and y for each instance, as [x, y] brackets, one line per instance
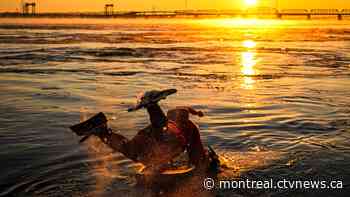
[98, 5]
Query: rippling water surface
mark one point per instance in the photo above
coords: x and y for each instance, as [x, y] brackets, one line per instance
[275, 94]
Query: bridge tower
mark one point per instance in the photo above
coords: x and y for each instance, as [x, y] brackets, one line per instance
[308, 16]
[340, 17]
[28, 8]
[109, 9]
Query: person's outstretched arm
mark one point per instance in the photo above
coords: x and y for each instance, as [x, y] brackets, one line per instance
[157, 116]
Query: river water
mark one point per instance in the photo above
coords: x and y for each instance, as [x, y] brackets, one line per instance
[275, 95]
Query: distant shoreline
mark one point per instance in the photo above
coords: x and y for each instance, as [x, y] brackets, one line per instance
[273, 14]
[67, 15]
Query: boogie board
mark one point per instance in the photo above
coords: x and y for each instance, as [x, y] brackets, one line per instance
[183, 170]
[176, 170]
[164, 177]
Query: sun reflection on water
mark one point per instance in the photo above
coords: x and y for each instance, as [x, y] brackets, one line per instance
[249, 44]
[248, 63]
[249, 23]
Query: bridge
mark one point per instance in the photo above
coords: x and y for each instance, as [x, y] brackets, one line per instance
[243, 13]
[314, 12]
[256, 12]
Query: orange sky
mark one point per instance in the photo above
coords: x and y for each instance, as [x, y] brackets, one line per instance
[97, 5]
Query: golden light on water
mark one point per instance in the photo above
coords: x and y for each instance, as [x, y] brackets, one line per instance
[254, 24]
[249, 44]
[250, 2]
[248, 63]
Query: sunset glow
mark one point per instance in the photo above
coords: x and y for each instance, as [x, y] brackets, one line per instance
[250, 2]
[135, 5]
[175, 98]
[248, 62]
[249, 44]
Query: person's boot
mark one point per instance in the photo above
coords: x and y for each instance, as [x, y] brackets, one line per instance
[96, 125]
[152, 97]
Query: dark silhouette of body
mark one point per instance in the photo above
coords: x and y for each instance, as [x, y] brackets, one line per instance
[159, 143]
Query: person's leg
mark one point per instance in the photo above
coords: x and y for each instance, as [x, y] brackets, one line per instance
[132, 149]
[145, 147]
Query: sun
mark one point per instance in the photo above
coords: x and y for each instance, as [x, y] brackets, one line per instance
[250, 2]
